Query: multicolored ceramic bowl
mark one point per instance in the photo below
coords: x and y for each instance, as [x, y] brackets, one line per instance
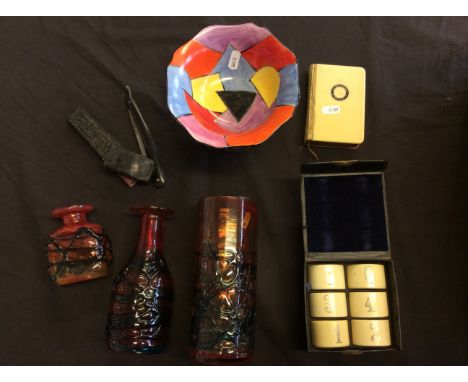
[232, 85]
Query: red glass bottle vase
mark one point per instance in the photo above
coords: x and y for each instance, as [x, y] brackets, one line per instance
[141, 300]
[79, 250]
[223, 314]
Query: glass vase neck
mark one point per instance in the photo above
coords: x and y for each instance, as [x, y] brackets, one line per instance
[76, 214]
[151, 228]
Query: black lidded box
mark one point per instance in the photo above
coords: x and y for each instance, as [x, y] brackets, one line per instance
[345, 223]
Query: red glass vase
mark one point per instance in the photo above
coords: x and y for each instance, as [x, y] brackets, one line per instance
[223, 314]
[79, 250]
[141, 301]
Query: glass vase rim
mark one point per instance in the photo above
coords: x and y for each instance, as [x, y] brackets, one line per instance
[74, 208]
[228, 197]
[149, 209]
[231, 200]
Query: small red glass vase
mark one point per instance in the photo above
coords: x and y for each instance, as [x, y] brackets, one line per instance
[141, 301]
[223, 314]
[79, 250]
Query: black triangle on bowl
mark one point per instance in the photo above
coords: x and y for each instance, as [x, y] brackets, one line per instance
[238, 102]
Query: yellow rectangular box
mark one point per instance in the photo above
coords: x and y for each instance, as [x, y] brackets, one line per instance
[336, 108]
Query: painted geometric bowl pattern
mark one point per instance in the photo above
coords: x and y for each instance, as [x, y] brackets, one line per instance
[232, 85]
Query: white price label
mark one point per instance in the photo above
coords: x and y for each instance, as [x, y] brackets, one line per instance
[234, 60]
[333, 109]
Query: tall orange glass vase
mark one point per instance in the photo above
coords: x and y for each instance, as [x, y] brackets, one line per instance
[223, 316]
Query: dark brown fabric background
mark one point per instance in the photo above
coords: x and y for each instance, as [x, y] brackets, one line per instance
[417, 119]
